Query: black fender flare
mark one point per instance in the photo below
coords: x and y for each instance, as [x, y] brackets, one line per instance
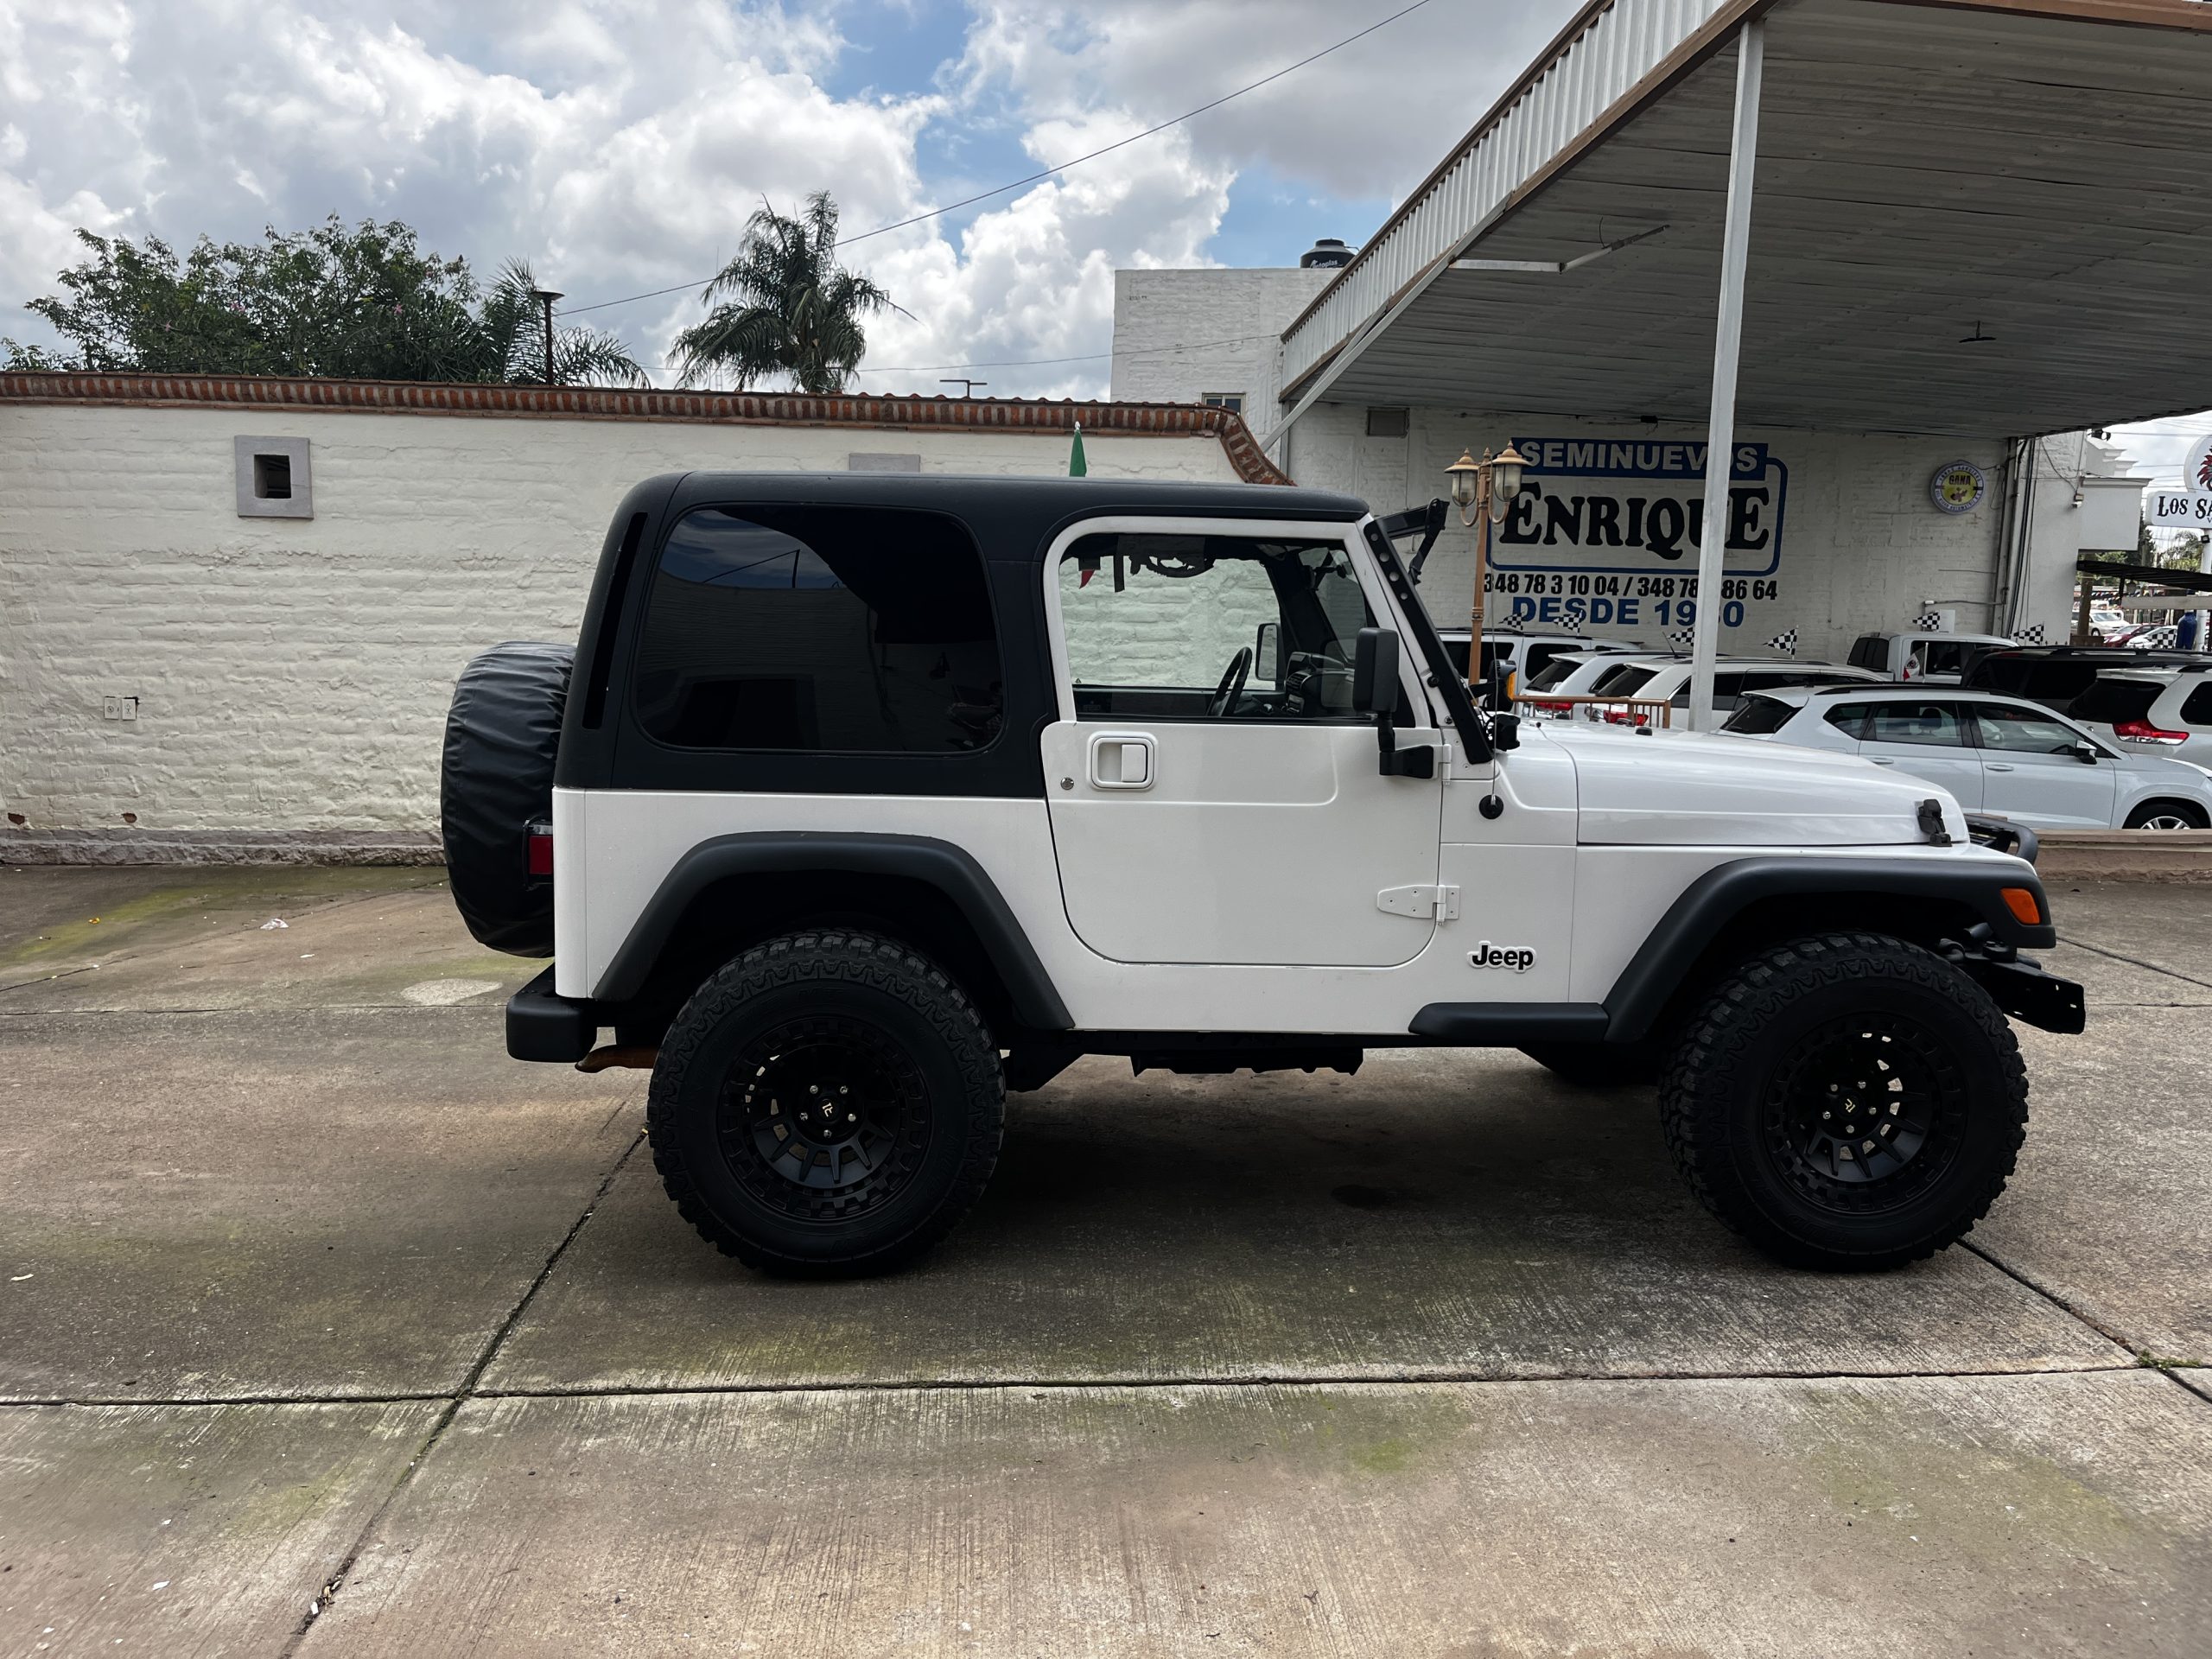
[950, 870]
[1724, 893]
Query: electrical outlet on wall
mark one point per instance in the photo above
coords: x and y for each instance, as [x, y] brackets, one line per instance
[119, 708]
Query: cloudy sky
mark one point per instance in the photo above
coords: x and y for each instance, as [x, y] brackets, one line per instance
[619, 145]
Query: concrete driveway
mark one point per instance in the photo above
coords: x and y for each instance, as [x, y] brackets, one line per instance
[324, 1328]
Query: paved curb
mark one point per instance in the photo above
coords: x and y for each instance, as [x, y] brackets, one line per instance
[222, 847]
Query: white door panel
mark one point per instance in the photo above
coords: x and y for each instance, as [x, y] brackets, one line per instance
[2049, 792]
[1957, 770]
[1251, 843]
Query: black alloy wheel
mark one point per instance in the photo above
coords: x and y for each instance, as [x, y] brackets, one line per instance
[824, 1118]
[1868, 1111]
[1846, 1100]
[828, 1103]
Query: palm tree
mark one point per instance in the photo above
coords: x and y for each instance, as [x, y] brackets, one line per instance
[512, 341]
[786, 306]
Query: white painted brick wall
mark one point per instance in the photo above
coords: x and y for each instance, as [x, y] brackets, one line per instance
[295, 675]
[1178, 334]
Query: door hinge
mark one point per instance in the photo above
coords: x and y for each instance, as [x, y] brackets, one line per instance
[1433, 904]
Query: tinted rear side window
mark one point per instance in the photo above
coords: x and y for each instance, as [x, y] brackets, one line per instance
[1621, 682]
[823, 629]
[1850, 718]
[2110, 702]
[2197, 710]
[1555, 672]
[1758, 716]
[1996, 673]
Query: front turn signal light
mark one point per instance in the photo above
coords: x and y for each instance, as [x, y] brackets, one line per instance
[2021, 901]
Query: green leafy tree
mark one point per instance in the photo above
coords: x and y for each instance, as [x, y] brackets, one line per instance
[784, 306]
[362, 301]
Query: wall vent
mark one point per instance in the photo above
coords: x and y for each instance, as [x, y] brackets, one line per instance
[273, 481]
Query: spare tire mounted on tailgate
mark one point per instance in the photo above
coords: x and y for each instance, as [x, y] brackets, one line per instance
[497, 779]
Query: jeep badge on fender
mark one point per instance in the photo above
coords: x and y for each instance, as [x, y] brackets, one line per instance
[1487, 955]
[872, 803]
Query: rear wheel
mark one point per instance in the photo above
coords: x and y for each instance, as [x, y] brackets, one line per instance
[1847, 1102]
[2168, 815]
[827, 1103]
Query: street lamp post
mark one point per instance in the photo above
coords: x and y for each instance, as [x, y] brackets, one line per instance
[546, 296]
[1483, 490]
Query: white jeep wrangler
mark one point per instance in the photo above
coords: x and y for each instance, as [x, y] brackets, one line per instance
[863, 799]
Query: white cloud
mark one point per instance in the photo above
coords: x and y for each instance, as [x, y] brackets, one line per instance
[619, 145]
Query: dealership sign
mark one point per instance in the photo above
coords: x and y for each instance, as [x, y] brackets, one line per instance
[2188, 507]
[1636, 508]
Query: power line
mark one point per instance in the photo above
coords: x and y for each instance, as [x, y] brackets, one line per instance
[1041, 362]
[1033, 178]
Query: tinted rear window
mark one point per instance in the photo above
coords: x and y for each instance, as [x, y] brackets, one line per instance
[1871, 651]
[1621, 682]
[2110, 702]
[1759, 715]
[828, 629]
[1555, 672]
[2197, 710]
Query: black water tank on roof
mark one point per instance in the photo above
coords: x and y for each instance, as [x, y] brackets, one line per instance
[1327, 254]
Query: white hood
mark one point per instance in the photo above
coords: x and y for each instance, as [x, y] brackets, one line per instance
[1690, 789]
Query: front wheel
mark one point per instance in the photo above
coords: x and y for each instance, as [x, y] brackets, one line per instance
[2167, 815]
[1847, 1102]
[828, 1103]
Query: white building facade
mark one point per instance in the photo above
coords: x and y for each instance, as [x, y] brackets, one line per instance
[1832, 533]
[180, 645]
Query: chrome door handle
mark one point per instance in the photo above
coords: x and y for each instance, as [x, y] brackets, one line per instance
[1121, 760]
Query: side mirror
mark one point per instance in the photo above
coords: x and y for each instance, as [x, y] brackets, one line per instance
[2086, 754]
[1266, 653]
[1375, 672]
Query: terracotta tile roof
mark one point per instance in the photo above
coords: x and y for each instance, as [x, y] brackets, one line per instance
[616, 404]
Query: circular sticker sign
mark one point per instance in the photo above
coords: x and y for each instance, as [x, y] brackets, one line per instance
[1957, 487]
[2196, 467]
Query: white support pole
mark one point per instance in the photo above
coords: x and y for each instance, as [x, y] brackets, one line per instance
[1720, 424]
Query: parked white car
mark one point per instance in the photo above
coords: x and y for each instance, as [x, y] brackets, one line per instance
[1667, 679]
[2104, 621]
[2161, 711]
[1993, 754]
[1934, 659]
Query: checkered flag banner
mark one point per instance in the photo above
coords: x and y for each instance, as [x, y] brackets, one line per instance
[1684, 636]
[1511, 624]
[1928, 621]
[2030, 635]
[1786, 640]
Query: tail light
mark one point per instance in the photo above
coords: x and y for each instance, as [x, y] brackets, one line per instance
[1553, 708]
[2142, 731]
[541, 848]
[1624, 717]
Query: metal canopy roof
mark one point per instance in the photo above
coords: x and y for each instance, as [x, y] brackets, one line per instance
[2038, 175]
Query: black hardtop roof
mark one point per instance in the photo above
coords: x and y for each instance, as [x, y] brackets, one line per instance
[1010, 515]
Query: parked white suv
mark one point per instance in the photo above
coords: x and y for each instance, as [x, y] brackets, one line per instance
[1995, 754]
[2162, 711]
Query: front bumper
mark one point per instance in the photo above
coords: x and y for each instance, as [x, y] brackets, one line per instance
[2020, 987]
[542, 1026]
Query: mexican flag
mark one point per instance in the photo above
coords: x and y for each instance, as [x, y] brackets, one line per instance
[1075, 467]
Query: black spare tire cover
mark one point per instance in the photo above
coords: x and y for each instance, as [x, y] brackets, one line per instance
[501, 738]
